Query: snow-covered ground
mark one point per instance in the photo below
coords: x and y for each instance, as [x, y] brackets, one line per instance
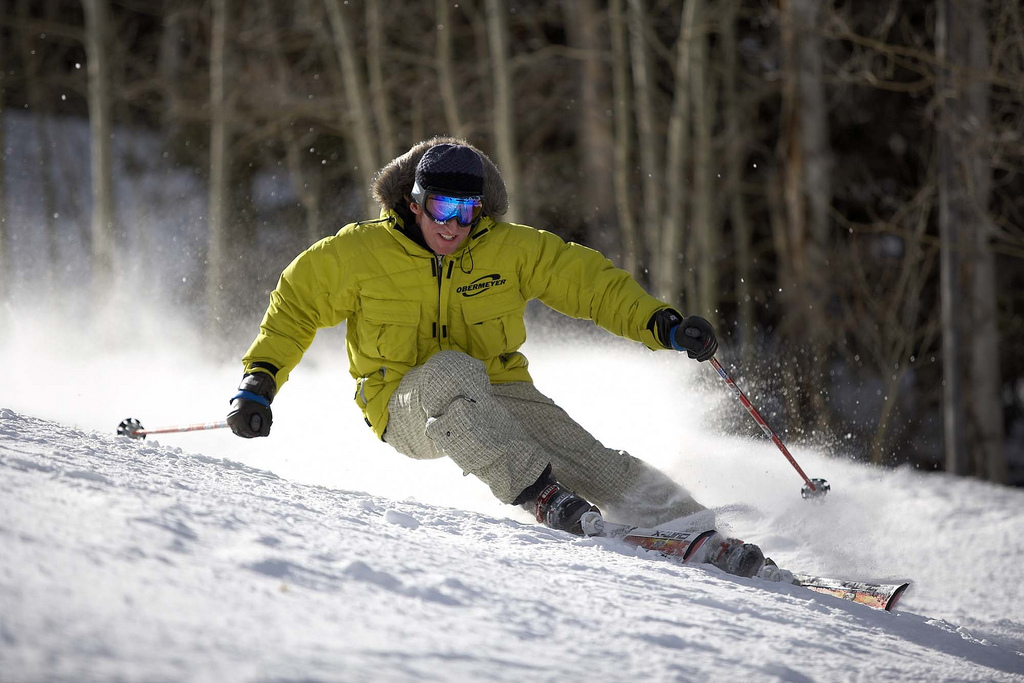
[206, 557]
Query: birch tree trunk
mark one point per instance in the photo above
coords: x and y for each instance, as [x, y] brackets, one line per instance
[814, 133]
[97, 36]
[378, 86]
[649, 159]
[219, 193]
[985, 408]
[817, 195]
[738, 140]
[631, 245]
[360, 130]
[308, 186]
[805, 154]
[972, 412]
[954, 443]
[669, 258]
[504, 115]
[38, 111]
[789, 232]
[705, 228]
[445, 76]
[596, 138]
[951, 218]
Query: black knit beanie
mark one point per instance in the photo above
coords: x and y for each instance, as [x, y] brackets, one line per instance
[455, 169]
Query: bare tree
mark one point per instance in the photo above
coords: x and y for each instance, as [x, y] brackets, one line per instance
[504, 116]
[816, 181]
[668, 274]
[97, 23]
[445, 75]
[632, 248]
[968, 264]
[360, 131]
[737, 141]
[375, 37]
[883, 304]
[596, 146]
[219, 193]
[985, 408]
[802, 237]
[298, 139]
[650, 165]
[705, 226]
[34, 86]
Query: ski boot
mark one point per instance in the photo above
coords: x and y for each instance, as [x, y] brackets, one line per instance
[773, 572]
[733, 556]
[554, 505]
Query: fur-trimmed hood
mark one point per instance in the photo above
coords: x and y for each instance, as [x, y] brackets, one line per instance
[393, 183]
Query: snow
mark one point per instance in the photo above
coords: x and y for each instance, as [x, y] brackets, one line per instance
[320, 554]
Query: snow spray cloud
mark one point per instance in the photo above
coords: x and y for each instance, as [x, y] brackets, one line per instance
[154, 365]
[661, 407]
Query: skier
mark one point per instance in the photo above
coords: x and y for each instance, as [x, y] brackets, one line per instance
[434, 293]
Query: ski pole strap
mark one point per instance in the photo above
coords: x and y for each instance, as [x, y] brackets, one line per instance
[250, 396]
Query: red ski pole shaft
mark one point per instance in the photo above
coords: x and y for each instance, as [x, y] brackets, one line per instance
[760, 421]
[197, 427]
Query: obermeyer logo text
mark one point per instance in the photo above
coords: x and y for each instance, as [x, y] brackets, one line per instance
[481, 285]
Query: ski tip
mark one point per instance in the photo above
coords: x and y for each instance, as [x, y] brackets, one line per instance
[896, 595]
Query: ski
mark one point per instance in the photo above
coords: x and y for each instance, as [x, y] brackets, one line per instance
[682, 546]
[877, 595]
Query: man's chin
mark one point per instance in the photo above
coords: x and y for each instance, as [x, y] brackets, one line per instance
[445, 248]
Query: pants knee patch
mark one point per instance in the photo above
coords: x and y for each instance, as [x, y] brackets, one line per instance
[449, 375]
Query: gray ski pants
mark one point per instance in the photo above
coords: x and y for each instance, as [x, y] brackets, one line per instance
[506, 434]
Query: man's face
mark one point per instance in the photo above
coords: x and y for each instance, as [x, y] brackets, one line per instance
[442, 238]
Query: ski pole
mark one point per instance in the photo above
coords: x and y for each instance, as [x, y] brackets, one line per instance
[133, 429]
[813, 488]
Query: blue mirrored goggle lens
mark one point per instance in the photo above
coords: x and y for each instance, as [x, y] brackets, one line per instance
[466, 210]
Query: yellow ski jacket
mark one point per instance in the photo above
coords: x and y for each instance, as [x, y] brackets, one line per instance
[403, 304]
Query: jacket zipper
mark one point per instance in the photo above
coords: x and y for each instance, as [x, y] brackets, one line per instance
[440, 275]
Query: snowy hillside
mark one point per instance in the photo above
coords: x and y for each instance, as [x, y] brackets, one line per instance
[134, 561]
[208, 557]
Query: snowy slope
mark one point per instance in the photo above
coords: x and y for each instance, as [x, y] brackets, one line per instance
[134, 561]
[216, 558]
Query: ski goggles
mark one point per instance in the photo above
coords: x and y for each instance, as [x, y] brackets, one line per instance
[441, 208]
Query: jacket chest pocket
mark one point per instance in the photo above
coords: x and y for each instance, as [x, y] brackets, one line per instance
[386, 329]
[495, 324]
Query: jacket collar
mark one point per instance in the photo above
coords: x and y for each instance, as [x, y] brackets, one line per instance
[396, 226]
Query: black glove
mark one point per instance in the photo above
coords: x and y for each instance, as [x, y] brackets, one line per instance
[250, 413]
[692, 334]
